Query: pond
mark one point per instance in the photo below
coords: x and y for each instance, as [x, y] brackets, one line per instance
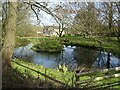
[71, 57]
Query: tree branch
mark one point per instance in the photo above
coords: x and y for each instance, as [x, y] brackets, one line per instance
[45, 9]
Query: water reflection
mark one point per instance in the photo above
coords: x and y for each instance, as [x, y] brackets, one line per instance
[71, 56]
[106, 60]
[45, 59]
[84, 56]
[23, 51]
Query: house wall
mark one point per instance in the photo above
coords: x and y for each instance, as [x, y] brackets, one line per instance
[51, 31]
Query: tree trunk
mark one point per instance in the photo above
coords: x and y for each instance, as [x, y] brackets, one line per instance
[10, 29]
[110, 16]
[61, 29]
[108, 61]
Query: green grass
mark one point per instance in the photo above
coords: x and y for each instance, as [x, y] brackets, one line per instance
[92, 42]
[65, 77]
[51, 46]
[71, 40]
[21, 42]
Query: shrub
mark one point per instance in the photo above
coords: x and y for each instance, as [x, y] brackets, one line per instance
[21, 42]
[48, 46]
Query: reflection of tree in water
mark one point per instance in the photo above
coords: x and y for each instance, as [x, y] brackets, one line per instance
[84, 56]
[66, 58]
[24, 53]
[71, 57]
[108, 60]
[104, 61]
[100, 60]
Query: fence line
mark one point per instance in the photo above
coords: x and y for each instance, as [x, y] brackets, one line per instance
[96, 79]
[96, 71]
[104, 85]
[77, 82]
[57, 81]
[99, 78]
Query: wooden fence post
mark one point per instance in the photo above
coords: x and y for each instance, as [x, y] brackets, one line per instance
[38, 76]
[45, 74]
[76, 77]
[73, 79]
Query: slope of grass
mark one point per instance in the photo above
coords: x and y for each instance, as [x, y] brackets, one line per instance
[62, 77]
[51, 46]
[93, 42]
[13, 79]
[67, 78]
[21, 42]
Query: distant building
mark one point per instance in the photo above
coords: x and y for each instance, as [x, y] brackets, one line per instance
[50, 31]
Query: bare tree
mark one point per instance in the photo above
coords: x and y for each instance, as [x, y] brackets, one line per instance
[86, 21]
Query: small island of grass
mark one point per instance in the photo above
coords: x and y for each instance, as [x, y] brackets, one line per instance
[48, 46]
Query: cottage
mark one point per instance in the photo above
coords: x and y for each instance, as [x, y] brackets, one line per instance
[51, 31]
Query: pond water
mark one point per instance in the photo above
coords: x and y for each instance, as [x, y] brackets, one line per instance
[71, 57]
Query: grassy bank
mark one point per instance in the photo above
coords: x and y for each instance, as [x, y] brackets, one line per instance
[50, 75]
[14, 79]
[93, 42]
[21, 42]
[51, 46]
[57, 75]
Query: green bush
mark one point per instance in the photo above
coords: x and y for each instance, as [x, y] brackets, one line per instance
[21, 42]
[48, 46]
